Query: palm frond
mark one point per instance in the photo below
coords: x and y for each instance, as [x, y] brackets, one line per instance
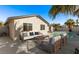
[66, 9]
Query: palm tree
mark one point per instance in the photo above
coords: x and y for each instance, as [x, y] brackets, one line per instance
[77, 11]
[67, 9]
[56, 27]
[70, 23]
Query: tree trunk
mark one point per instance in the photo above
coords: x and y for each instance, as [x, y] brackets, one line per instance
[70, 30]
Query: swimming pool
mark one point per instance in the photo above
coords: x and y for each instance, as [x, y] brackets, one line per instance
[69, 35]
[58, 33]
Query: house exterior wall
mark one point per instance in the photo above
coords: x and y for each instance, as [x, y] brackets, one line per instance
[75, 29]
[11, 31]
[36, 22]
[18, 23]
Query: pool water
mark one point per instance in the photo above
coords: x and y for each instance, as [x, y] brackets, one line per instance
[54, 34]
[70, 35]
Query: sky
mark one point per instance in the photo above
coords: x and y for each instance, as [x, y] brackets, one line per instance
[42, 10]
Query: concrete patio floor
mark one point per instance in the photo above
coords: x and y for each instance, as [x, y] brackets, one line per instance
[7, 46]
[72, 43]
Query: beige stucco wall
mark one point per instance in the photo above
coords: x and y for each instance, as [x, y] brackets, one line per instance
[12, 31]
[36, 22]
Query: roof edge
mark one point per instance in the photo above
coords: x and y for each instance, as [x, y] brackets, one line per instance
[26, 16]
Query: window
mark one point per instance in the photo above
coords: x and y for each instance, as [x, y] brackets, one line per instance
[42, 27]
[27, 26]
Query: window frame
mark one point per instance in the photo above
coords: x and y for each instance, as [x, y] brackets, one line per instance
[42, 27]
[27, 26]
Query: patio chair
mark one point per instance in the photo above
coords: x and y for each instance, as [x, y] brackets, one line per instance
[38, 40]
[50, 46]
[44, 44]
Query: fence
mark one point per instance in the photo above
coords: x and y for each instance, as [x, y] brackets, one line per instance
[75, 29]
